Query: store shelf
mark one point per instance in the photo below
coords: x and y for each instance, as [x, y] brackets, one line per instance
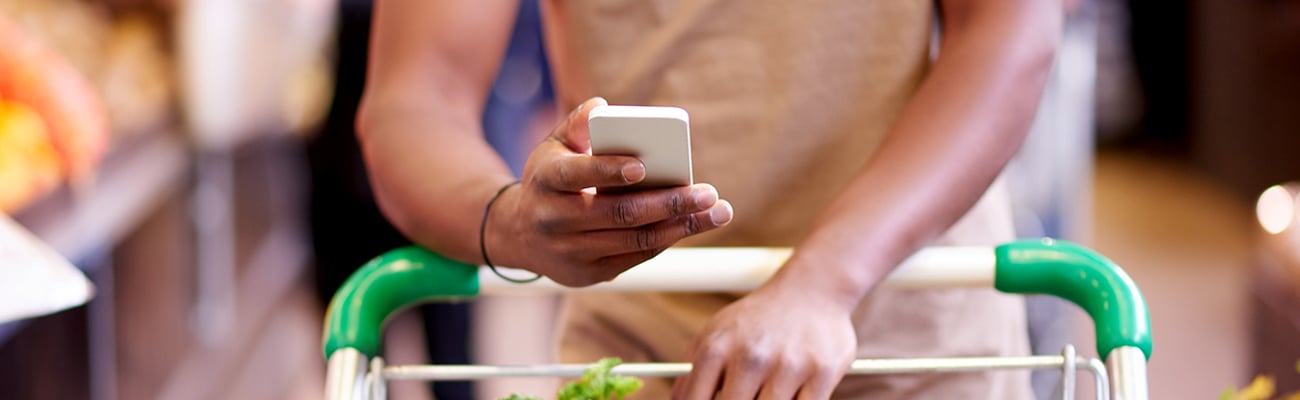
[133, 179]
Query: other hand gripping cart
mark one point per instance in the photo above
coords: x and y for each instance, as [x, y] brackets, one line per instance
[412, 275]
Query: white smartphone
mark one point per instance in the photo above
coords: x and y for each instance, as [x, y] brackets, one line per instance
[659, 136]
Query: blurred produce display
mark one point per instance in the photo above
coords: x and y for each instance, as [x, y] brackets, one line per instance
[45, 100]
[29, 164]
[85, 73]
[119, 48]
[136, 77]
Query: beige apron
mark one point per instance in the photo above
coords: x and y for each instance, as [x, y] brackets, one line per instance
[788, 99]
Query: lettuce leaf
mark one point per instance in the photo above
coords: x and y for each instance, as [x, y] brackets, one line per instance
[596, 384]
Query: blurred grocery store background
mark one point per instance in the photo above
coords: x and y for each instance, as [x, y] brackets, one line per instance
[195, 159]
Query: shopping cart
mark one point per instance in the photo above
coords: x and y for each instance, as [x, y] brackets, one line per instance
[412, 275]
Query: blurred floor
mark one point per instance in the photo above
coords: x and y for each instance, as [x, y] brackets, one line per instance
[1186, 242]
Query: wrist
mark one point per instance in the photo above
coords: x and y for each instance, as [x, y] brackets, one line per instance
[495, 229]
[827, 280]
[483, 237]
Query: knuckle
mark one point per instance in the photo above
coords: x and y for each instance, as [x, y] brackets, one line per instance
[713, 351]
[624, 212]
[755, 359]
[646, 238]
[693, 225]
[792, 363]
[676, 203]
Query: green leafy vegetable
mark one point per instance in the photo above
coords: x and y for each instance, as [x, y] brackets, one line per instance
[596, 384]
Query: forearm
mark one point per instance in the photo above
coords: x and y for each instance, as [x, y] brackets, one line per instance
[431, 64]
[949, 143]
[431, 171]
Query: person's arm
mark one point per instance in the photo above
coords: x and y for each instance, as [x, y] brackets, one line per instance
[431, 66]
[793, 335]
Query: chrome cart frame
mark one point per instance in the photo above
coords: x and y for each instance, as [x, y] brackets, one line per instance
[412, 275]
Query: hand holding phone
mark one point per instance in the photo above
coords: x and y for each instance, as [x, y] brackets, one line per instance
[659, 136]
[551, 224]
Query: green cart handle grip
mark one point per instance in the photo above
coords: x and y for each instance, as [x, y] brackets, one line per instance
[1082, 276]
[398, 279]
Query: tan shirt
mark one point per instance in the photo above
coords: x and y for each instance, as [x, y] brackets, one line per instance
[788, 100]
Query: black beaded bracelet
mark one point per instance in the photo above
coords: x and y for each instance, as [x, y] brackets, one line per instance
[482, 238]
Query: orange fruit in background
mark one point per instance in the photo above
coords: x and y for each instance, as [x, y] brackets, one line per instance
[29, 163]
[39, 78]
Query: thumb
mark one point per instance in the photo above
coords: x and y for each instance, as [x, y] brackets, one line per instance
[575, 134]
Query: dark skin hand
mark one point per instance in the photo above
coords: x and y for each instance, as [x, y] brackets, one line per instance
[592, 237]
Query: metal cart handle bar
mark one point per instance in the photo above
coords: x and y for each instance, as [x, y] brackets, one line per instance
[412, 275]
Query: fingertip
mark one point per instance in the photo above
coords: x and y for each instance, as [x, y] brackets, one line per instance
[705, 196]
[633, 171]
[721, 213]
[576, 133]
[584, 109]
[583, 112]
